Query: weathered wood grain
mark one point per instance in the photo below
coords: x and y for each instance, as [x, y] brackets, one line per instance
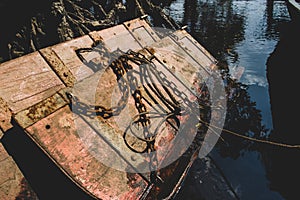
[26, 81]
[40, 110]
[66, 53]
[142, 32]
[58, 135]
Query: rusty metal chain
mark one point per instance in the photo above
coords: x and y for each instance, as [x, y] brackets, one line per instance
[121, 65]
[118, 66]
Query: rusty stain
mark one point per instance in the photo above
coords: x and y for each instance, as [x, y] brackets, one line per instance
[58, 66]
[95, 37]
[213, 66]
[26, 81]
[151, 50]
[40, 110]
[5, 116]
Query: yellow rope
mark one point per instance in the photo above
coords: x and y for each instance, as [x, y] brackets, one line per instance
[296, 146]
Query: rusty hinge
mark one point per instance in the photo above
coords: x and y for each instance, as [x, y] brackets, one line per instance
[5, 116]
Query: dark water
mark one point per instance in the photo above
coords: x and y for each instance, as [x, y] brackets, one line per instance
[242, 33]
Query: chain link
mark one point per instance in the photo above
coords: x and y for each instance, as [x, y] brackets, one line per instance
[121, 65]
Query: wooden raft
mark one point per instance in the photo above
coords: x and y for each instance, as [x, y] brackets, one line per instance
[34, 89]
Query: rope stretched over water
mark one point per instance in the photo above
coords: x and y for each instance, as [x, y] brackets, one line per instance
[296, 146]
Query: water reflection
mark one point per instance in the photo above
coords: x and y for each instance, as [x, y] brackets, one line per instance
[216, 25]
[240, 33]
[191, 18]
[219, 28]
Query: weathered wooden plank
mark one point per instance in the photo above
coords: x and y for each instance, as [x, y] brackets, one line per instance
[99, 89]
[195, 67]
[178, 76]
[58, 67]
[134, 35]
[183, 55]
[65, 137]
[66, 53]
[195, 49]
[26, 81]
[40, 110]
[142, 32]
[117, 37]
[13, 184]
[63, 58]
